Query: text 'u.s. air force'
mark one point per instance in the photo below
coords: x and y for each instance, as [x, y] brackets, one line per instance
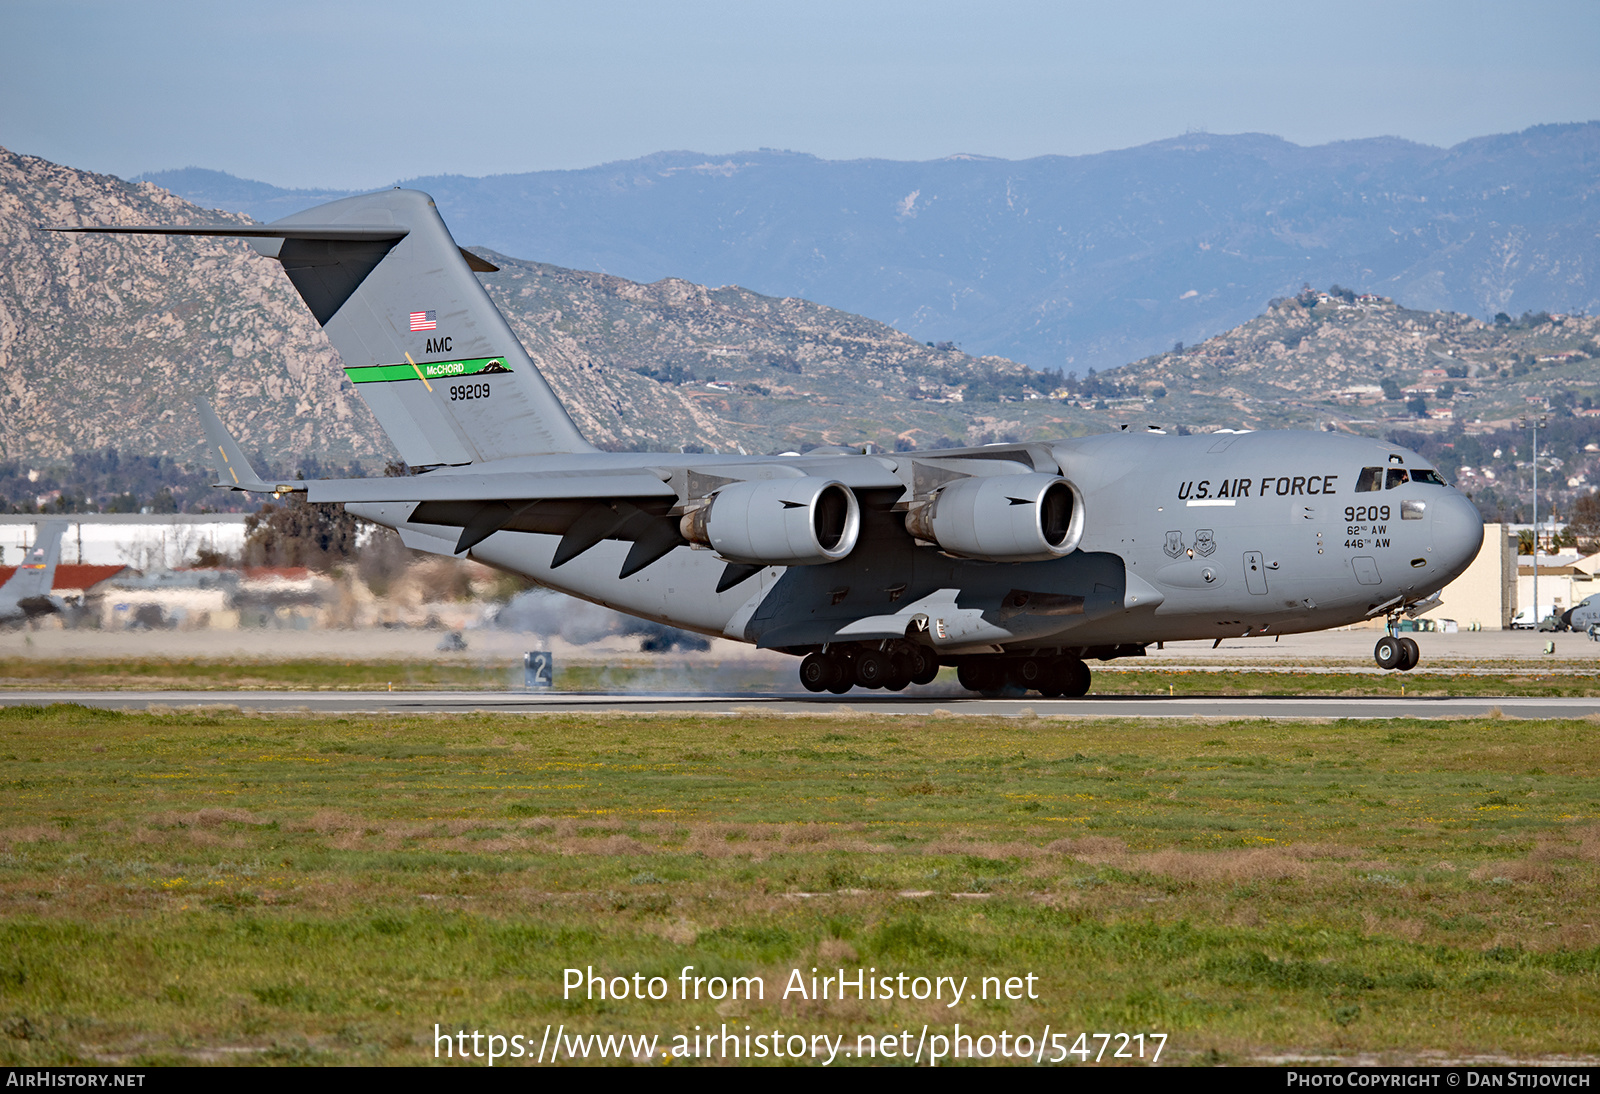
[1283, 486]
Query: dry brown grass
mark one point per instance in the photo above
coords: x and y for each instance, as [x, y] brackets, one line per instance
[1524, 870]
[206, 818]
[835, 951]
[1265, 864]
[1408, 928]
[602, 845]
[1088, 847]
[758, 841]
[680, 932]
[1235, 866]
[979, 848]
[31, 833]
[200, 837]
[1311, 851]
[569, 836]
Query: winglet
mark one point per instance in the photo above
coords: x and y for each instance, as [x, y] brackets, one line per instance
[234, 472]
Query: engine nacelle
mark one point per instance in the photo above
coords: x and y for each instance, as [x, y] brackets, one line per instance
[778, 522]
[1002, 518]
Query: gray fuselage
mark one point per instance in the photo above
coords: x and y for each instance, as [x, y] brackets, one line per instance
[1185, 537]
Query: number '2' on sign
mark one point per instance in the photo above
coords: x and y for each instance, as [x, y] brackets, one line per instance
[538, 669]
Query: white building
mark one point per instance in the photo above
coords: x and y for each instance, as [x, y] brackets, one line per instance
[1485, 595]
[144, 541]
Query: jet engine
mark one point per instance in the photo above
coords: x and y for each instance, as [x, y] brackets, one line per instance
[1002, 518]
[778, 522]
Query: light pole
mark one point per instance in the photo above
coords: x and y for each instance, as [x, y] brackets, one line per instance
[1537, 422]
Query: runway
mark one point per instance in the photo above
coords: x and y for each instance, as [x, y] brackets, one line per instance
[876, 703]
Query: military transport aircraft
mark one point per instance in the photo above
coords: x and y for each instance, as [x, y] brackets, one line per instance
[1015, 562]
[26, 595]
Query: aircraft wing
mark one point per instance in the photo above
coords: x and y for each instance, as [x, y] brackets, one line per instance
[236, 473]
[533, 486]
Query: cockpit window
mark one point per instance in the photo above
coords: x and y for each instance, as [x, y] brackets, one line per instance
[1397, 477]
[1433, 478]
[1370, 479]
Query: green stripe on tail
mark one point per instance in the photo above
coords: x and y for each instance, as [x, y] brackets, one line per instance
[432, 370]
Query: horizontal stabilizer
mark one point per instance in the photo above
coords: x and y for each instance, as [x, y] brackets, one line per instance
[242, 231]
[331, 232]
[235, 472]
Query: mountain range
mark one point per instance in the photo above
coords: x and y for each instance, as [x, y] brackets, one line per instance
[1063, 262]
[104, 341]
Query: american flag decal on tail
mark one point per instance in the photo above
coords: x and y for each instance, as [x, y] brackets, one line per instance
[424, 320]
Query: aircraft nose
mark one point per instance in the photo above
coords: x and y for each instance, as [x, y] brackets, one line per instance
[1457, 532]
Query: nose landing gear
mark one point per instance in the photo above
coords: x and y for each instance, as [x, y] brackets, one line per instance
[1393, 652]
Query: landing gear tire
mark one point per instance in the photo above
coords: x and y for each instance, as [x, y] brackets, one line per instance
[927, 667]
[1388, 653]
[1075, 678]
[873, 669]
[1029, 674]
[817, 672]
[1413, 654]
[982, 677]
[845, 680]
[1056, 678]
[900, 667]
[843, 676]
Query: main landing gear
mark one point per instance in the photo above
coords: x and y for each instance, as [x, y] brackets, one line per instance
[898, 664]
[1051, 677]
[893, 667]
[1393, 652]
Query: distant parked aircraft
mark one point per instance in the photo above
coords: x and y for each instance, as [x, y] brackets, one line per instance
[27, 594]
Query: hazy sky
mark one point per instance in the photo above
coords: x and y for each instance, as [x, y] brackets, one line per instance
[356, 95]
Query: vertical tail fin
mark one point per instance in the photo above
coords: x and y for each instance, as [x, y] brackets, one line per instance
[38, 570]
[425, 346]
[427, 349]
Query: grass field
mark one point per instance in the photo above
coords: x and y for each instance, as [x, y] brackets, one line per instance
[668, 674]
[223, 887]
